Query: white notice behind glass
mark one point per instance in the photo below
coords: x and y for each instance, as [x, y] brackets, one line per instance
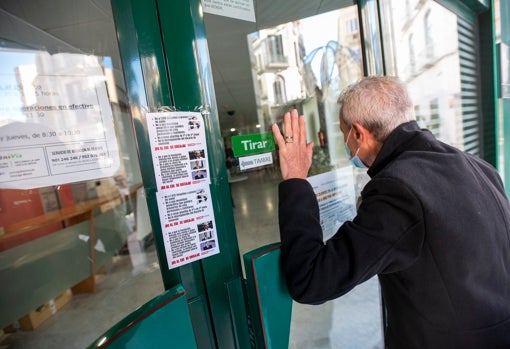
[56, 123]
[238, 9]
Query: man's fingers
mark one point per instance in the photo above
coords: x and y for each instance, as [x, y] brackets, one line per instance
[302, 130]
[309, 150]
[295, 125]
[278, 136]
[287, 124]
[295, 153]
[294, 129]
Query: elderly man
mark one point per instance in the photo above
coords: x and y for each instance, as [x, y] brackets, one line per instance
[433, 224]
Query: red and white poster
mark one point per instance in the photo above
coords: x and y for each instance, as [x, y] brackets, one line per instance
[179, 155]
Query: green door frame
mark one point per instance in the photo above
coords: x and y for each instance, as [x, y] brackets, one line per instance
[166, 63]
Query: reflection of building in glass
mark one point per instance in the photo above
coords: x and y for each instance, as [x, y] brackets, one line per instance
[289, 75]
[349, 64]
[276, 59]
[430, 48]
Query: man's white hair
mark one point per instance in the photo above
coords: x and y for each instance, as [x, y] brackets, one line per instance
[378, 103]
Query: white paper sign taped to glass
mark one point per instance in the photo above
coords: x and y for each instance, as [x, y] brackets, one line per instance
[254, 161]
[336, 197]
[56, 123]
[179, 154]
[188, 225]
[239, 9]
[178, 147]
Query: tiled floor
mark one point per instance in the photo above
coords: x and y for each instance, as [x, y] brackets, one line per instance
[350, 322]
[77, 324]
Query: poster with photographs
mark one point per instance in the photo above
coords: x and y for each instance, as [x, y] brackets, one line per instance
[178, 146]
[179, 153]
[189, 229]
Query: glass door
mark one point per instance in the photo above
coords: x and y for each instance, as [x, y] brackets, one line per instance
[303, 64]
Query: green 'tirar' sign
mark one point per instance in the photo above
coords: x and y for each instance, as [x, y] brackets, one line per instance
[252, 144]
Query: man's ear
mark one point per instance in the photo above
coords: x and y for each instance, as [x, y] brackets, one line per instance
[359, 132]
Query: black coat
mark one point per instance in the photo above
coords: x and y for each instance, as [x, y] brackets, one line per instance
[434, 224]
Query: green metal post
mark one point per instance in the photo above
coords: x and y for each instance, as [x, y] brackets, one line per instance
[166, 63]
[487, 91]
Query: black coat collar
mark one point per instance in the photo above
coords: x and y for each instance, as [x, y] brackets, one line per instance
[407, 136]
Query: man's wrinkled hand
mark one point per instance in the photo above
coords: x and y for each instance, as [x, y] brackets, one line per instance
[295, 153]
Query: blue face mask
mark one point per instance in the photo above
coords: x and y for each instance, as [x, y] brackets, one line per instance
[355, 160]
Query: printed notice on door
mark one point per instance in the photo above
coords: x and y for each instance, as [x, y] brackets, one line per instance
[56, 123]
[179, 155]
[238, 9]
[336, 198]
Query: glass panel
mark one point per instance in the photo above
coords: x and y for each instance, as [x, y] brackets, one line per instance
[75, 238]
[504, 51]
[317, 58]
[433, 50]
